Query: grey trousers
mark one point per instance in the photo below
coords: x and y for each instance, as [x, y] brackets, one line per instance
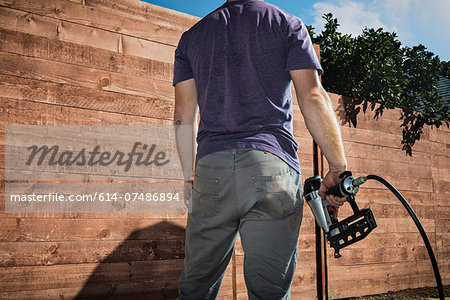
[253, 193]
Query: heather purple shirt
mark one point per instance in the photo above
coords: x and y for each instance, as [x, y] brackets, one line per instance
[240, 56]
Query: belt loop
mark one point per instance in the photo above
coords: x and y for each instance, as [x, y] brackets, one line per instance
[234, 152]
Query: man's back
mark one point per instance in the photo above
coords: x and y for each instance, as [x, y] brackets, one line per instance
[240, 56]
[237, 64]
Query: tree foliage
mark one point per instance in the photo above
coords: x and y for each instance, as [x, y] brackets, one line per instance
[375, 70]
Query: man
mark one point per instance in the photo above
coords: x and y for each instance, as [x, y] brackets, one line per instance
[237, 65]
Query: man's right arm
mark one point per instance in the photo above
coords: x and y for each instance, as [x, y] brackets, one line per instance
[321, 122]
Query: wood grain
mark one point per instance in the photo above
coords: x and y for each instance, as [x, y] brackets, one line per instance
[109, 62]
[64, 95]
[36, 68]
[24, 112]
[85, 35]
[131, 18]
[83, 55]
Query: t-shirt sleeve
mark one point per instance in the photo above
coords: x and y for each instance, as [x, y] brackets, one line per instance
[182, 69]
[301, 53]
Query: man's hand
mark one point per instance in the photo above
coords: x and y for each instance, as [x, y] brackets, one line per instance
[329, 181]
[187, 191]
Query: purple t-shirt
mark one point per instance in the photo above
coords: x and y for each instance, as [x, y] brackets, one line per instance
[240, 56]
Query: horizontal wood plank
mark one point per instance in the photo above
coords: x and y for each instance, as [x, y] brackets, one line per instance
[63, 95]
[77, 54]
[58, 230]
[24, 112]
[370, 136]
[378, 270]
[15, 254]
[36, 68]
[155, 274]
[141, 20]
[85, 35]
[379, 285]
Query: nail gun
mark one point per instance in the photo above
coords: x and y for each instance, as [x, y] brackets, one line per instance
[352, 229]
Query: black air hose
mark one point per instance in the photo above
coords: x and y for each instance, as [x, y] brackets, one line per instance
[419, 226]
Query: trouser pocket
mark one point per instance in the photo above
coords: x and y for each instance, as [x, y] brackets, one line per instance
[277, 194]
[205, 197]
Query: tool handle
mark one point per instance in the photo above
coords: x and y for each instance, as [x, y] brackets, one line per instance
[312, 184]
[336, 190]
[340, 189]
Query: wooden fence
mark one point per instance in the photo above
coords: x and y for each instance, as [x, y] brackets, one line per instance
[104, 62]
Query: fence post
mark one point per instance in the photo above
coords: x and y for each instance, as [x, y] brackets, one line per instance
[321, 250]
[321, 253]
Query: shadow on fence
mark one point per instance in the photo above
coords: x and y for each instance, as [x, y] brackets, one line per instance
[147, 264]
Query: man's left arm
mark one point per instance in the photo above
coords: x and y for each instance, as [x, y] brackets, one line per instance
[186, 115]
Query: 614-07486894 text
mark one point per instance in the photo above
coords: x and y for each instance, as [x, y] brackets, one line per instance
[161, 197]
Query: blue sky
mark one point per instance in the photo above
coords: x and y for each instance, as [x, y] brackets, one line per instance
[416, 22]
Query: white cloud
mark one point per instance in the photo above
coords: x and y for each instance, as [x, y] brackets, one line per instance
[352, 16]
[415, 21]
